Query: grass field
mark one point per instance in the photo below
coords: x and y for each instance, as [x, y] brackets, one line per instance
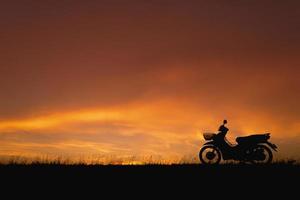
[283, 169]
[151, 180]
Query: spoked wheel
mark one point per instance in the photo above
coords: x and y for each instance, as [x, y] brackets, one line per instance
[210, 155]
[260, 154]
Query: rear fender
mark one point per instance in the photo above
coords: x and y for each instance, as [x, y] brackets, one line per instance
[273, 146]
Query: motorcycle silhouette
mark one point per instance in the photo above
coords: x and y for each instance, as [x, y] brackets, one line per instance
[255, 149]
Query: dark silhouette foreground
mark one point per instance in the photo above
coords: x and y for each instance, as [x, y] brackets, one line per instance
[151, 181]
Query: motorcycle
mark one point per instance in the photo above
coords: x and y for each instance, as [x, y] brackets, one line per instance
[255, 149]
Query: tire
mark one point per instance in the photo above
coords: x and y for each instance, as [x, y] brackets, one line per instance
[267, 153]
[210, 155]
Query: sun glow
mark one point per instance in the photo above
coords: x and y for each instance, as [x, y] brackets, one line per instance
[58, 119]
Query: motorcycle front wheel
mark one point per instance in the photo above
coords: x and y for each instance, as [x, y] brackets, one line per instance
[210, 155]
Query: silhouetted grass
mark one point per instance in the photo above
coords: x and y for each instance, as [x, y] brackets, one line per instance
[61, 161]
[96, 167]
[63, 177]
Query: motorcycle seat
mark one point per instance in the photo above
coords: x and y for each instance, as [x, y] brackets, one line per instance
[253, 138]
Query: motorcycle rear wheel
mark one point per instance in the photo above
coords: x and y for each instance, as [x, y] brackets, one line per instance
[268, 155]
[210, 155]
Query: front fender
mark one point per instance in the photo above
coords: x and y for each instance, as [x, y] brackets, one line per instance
[209, 143]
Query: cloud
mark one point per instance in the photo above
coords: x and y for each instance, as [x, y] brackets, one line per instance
[109, 76]
[139, 129]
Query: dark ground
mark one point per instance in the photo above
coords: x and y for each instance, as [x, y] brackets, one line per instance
[188, 180]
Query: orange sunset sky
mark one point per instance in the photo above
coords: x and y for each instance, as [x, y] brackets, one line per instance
[142, 78]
